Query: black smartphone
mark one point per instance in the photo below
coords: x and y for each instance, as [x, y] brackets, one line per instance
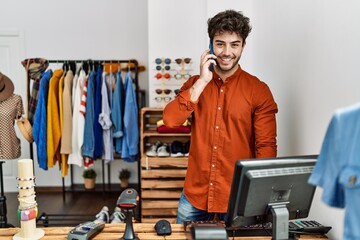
[211, 68]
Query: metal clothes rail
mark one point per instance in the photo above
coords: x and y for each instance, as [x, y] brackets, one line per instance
[134, 68]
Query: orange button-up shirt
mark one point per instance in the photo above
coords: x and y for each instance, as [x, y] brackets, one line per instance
[232, 119]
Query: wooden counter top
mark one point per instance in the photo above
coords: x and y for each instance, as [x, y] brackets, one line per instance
[114, 231]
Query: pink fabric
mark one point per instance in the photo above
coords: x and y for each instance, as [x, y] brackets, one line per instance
[181, 129]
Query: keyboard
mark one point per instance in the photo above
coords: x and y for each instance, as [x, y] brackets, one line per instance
[309, 227]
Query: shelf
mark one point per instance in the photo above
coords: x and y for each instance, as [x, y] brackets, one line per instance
[167, 162]
[156, 134]
[99, 188]
[162, 178]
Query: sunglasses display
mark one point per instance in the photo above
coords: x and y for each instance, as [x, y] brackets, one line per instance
[160, 76]
[179, 76]
[172, 72]
[183, 60]
[166, 67]
[162, 61]
[161, 91]
[165, 99]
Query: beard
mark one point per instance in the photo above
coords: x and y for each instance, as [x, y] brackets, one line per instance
[228, 68]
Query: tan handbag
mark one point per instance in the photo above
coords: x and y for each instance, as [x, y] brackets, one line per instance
[23, 123]
[25, 129]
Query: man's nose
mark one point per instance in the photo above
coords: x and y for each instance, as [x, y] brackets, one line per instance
[227, 50]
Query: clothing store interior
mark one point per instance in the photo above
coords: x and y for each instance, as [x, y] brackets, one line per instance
[91, 90]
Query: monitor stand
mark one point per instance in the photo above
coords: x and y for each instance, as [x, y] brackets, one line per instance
[280, 221]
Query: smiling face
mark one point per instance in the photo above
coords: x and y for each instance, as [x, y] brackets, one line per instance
[228, 47]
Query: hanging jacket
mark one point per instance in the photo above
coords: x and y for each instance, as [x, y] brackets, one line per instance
[130, 148]
[40, 124]
[65, 120]
[98, 144]
[53, 119]
[117, 114]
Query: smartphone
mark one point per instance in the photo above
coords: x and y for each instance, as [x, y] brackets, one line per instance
[211, 67]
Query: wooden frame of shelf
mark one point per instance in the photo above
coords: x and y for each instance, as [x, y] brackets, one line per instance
[162, 178]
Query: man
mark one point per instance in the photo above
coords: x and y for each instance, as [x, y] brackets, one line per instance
[233, 117]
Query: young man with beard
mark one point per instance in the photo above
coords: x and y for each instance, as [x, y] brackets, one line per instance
[233, 117]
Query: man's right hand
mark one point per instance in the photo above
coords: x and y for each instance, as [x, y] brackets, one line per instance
[206, 60]
[205, 75]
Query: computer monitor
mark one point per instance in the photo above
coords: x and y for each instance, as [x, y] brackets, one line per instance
[271, 190]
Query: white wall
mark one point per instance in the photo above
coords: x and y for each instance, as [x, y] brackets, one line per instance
[308, 52]
[176, 30]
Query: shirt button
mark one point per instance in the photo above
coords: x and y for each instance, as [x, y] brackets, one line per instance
[215, 147]
[221, 90]
[217, 127]
[219, 108]
[213, 165]
[211, 184]
[352, 180]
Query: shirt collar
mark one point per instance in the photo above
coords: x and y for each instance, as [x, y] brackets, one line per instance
[234, 76]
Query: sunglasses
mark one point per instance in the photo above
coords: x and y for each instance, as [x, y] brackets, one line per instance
[183, 60]
[162, 60]
[176, 91]
[160, 76]
[165, 99]
[179, 76]
[166, 67]
[160, 91]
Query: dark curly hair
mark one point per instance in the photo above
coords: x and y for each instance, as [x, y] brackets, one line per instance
[229, 21]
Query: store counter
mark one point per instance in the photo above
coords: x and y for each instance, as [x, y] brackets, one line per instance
[144, 231]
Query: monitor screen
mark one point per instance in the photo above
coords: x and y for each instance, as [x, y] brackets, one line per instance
[261, 186]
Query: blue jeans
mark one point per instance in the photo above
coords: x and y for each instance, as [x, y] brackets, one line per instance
[89, 139]
[186, 211]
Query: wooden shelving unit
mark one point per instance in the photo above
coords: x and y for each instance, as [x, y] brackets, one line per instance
[162, 178]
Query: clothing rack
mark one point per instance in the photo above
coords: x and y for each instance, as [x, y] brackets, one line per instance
[139, 93]
[135, 62]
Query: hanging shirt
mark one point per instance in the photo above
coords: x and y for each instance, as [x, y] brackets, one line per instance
[98, 150]
[105, 121]
[39, 128]
[53, 120]
[337, 170]
[78, 123]
[130, 146]
[117, 115]
[10, 109]
[73, 89]
[232, 119]
[88, 144]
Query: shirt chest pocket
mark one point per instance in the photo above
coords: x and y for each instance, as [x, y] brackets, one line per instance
[350, 178]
